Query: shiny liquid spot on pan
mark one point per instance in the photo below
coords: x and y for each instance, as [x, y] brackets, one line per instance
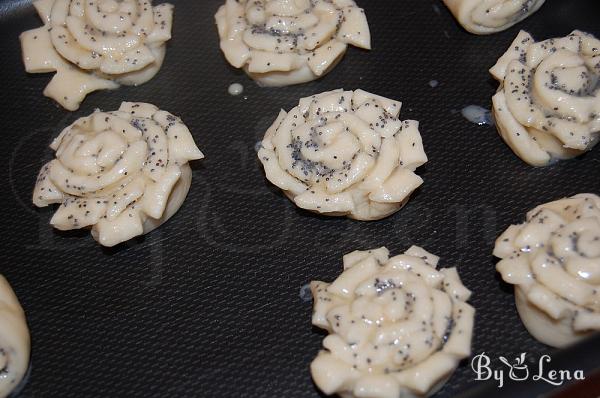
[305, 293]
[478, 115]
[235, 89]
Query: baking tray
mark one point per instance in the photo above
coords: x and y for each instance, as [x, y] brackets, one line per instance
[209, 304]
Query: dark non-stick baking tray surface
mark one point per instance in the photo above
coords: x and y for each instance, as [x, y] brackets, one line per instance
[209, 304]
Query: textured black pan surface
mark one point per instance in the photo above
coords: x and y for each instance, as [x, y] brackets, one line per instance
[209, 304]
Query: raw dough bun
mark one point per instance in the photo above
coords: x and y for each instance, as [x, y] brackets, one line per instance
[483, 17]
[344, 153]
[96, 44]
[548, 104]
[14, 340]
[397, 326]
[120, 173]
[553, 259]
[280, 42]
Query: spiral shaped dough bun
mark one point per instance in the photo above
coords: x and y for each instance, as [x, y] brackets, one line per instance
[283, 42]
[397, 326]
[483, 17]
[121, 173]
[553, 259]
[96, 44]
[14, 340]
[548, 104]
[344, 153]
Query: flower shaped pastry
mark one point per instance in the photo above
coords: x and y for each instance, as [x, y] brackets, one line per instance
[548, 104]
[483, 17]
[121, 173]
[14, 340]
[397, 326]
[553, 259]
[96, 44]
[283, 42]
[344, 153]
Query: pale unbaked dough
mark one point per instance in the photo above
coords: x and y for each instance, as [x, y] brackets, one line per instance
[14, 340]
[397, 326]
[121, 173]
[281, 42]
[490, 16]
[548, 104]
[96, 44]
[553, 259]
[344, 153]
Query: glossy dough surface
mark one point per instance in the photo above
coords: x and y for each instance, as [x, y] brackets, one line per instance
[14, 340]
[96, 44]
[397, 326]
[548, 104]
[283, 42]
[490, 16]
[121, 173]
[344, 153]
[553, 259]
